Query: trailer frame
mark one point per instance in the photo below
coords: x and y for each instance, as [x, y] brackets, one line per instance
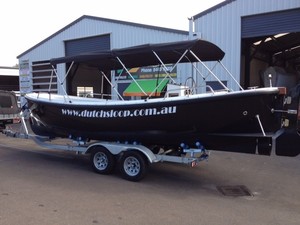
[133, 159]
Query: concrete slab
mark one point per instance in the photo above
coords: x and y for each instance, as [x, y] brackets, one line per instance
[40, 186]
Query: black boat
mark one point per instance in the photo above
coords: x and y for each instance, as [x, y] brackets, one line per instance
[240, 121]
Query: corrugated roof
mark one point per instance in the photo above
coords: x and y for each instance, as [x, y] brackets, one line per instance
[212, 9]
[107, 20]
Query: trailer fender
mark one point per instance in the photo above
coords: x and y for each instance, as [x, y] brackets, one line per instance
[117, 148]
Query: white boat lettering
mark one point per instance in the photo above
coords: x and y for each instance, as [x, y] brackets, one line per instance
[119, 113]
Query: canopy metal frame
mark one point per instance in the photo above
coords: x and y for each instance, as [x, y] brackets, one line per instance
[172, 53]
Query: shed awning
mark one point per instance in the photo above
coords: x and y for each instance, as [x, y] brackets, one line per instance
[148, 87]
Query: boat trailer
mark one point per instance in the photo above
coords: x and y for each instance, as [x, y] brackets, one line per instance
[132, 159]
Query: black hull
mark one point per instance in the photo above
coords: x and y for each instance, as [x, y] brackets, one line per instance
[168, 123]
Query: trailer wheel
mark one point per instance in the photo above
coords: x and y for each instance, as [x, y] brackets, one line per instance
[133, 165]
[102, 161]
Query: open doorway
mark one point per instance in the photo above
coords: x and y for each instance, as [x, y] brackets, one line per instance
[271, 60]
[270, 45]
[89, 81]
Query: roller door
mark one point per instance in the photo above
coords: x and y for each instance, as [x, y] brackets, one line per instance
[271, 23]
[79, 80]
[95, 43]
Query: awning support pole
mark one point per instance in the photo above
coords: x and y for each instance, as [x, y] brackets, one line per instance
[164, 66]
[166, 70]
[208, 73]
[50, 83]
[203, 64]
[131, 76]
[106, 78]
[230, 74]
[61, 84]
[67, 72]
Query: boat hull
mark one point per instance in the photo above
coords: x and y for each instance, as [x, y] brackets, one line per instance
[166, 122]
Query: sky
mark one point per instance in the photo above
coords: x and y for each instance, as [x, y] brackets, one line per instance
[25, 23]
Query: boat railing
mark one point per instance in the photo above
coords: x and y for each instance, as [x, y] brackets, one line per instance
[187, 91]
[210, 88]
[97, 95]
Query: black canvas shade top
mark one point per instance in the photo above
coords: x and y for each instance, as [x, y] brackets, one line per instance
[143, 55]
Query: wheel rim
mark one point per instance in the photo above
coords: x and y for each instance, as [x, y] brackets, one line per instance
[100, 161]
[132, 166]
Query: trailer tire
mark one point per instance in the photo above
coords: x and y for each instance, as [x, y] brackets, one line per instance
[103, 162]
[133, 165]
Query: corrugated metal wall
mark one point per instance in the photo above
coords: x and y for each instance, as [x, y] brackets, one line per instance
[222, 26]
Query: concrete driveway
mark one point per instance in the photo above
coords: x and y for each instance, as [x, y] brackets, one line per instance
[41, 186]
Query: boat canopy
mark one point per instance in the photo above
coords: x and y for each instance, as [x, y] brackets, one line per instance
[145, 55]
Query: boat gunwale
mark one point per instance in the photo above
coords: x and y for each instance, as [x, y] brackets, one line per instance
[47, 98]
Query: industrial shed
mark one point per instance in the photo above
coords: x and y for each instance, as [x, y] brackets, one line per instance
[259, 37]
[86, 34]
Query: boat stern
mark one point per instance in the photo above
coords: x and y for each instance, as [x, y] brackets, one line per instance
[287, 143]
